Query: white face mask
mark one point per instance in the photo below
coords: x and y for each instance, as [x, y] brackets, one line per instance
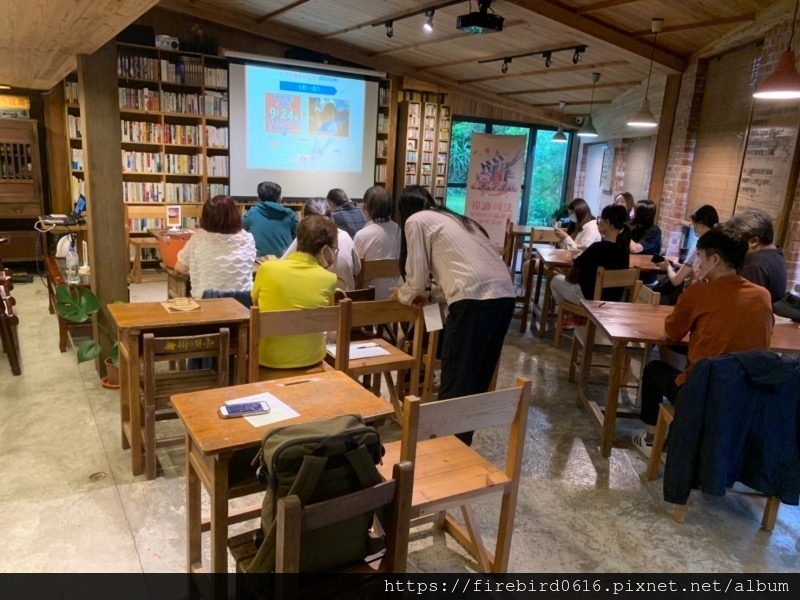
[328, 257]
[573, 217]
[697, 269]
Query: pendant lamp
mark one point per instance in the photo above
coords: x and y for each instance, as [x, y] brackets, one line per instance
[644, 118]
[588, 129]
[559, 136]
[784, 82]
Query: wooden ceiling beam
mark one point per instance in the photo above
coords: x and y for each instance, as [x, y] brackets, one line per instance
[459, 35]
[551, 71]
[571, 88]
[598, 6]
[347, 52]
[698, 25]
[602, 31]
[280, 11]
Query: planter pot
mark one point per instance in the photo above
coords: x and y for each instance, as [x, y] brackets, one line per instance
[111, 380]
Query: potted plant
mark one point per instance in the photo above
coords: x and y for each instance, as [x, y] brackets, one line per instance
[78, 304]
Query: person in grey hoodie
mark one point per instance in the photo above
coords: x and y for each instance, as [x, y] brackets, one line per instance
[273, 225]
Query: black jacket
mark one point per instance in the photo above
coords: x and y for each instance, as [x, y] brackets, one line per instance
[737, 418]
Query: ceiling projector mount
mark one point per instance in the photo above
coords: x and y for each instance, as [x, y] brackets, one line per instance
[482, 21]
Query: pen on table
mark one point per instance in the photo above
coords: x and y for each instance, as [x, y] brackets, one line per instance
[373, 345]
[302, 381]
[601, 304]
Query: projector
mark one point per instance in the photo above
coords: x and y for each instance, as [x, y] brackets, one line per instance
[167, 42]
[480, 22]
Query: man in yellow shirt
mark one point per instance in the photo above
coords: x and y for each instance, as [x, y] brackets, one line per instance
[301, 280]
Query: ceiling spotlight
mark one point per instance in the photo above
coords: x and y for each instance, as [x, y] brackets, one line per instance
[428, 26]
[548, 59]
[389, 28]
[576, 58]
[506, 62]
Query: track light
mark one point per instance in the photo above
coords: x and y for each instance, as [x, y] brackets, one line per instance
[389, 28]
[428, 26]
[506, 62]
[576, 58]
[559, 137]
[548, 59]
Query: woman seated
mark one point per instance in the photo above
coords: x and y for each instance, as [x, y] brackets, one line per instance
[379, 239]
[582, 231]
[645, 234]
[611, 253]
[703, 219]
[301, 280]
[346, 263]
[625, 199]
[220, 255]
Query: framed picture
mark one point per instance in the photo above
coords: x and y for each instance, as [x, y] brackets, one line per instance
[173, 216]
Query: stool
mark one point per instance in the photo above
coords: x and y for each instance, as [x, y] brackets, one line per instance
[139, 244]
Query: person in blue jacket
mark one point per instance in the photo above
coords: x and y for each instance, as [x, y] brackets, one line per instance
[273, 225]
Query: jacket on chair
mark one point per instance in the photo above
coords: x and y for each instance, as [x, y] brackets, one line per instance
[737, 418]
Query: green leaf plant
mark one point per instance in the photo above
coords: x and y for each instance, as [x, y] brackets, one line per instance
[77, 305]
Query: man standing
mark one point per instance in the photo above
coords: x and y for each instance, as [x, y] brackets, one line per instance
[764, 264]
[722, 312]
[273, 225]
[346, 214]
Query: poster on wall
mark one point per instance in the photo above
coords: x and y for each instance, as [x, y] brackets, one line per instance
[768, 158]
[14, 107]
[494, 181]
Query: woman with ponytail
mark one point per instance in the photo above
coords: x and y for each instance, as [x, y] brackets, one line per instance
[611, 253]
[476, 284]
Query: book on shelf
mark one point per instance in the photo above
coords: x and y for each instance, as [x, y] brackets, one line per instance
[185, 135]
[139, 99]
[180, 103]
[217, 166]
[77, 159]
[183, 192]
[142, 162]
[187, 70]
[135, 191]
[137, 67]
[184, 164]
[380, 173]
[71, 92]
[138, 225]
[384, 96]
[216, 77]
[216, 137]
[142, 132]
[77, 186]
[216, 104]
[74, 126]
[218, 189]
[381, 148]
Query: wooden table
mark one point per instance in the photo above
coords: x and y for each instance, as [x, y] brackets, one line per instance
[133, 320]
[624, 322]
[56, 275]
[212, 442]
[551, 259]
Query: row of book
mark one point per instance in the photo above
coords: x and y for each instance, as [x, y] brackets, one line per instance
[187, 71]
[187, 135]
[217, 166]
[142, 162]
[380, 173]
[216, 137]
[384, 96]
[185, 164]
[181, 103]
[383, 123]
[77, 186]
[76, 156]
[142, 191]
[71, 92]
[216, 104]
[172, 193]
[138, 225]
[382, 148]
[139, 99]
[216, 77]
[74, 126]
[137, 67]
[142, 132]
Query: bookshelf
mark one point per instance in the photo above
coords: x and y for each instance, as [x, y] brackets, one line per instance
[385, 144]
[423, 145]
[174, 132]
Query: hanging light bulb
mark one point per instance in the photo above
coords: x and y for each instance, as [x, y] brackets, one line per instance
[784, 82]
[588, 129]
[428, 26]
[644, 116]
[559, 137]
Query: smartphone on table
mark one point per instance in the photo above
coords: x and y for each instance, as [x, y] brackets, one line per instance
[657, 258]
[244, 409]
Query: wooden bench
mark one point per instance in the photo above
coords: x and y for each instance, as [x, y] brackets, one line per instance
[8, 331]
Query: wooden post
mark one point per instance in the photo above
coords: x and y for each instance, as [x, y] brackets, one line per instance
[663, 138]
[108, 255]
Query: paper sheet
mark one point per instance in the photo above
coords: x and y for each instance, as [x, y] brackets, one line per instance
[433, 317]
[360, 350]
[278, 411]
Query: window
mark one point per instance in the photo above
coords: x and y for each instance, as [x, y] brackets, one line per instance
[545, 166]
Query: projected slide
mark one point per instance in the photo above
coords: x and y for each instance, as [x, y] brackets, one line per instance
[302, 121]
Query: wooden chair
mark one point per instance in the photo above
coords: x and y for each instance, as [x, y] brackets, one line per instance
[298, 322]
[448, 473]
[641, 295]
[606, 278]
[157, 387]
[8, 331]
[387, 313]
[376, 269]
[293, 520]
[530, 267]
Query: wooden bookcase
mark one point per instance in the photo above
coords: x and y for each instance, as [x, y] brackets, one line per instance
[385, 145]
[423, 146]
[174, 127]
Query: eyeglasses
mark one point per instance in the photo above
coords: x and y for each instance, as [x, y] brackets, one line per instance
[335, 250]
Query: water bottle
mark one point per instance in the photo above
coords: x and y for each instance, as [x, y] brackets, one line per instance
[72, 266]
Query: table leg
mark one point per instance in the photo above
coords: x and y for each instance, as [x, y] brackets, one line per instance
[526, 307]
[610, 413]
[124, 376]
[62, 334]
[539, 277]
[133, 404]
[586, 359]
[219, 516]
[241, 352]
[193, 536]
[546, 305]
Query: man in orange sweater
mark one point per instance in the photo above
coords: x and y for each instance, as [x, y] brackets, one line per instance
[722, 313]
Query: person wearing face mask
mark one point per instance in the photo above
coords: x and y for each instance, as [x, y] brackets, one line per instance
[582, 231]
[301, 280]
[347, 264]
[704, 219]
[707, 311]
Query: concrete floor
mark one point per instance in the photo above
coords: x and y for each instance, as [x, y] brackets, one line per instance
[577, 511]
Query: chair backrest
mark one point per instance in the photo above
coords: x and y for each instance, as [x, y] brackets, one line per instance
[361, 295]
[298, 322]
[615, 278]
[644, 295]
[456, 415]
[388, 312]
[508, 243]
[173, 348]
[375, 269]
[293, 520]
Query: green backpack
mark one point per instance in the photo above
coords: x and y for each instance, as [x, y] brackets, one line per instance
[316, 462]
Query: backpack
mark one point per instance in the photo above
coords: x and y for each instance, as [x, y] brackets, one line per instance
[316, 462]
